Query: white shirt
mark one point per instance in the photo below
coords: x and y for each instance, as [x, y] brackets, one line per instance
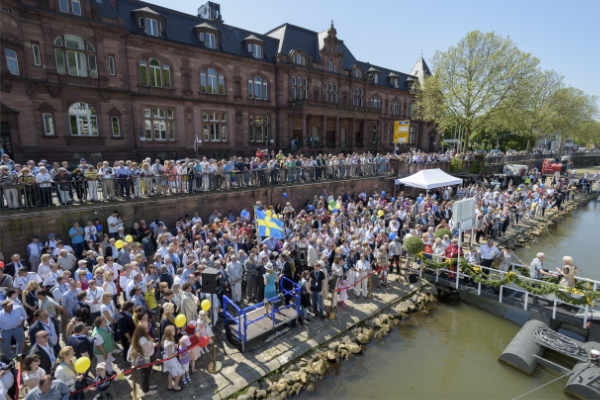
[488, 253]
[94, 299]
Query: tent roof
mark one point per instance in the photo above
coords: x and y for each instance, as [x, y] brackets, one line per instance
[429, 179]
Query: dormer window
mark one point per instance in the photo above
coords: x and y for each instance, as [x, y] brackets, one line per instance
[394, 79]
[373, 75]
[148, 20]
[207, 34]
[151, 26]
[254, 44]
[356, 73]
[256, 50]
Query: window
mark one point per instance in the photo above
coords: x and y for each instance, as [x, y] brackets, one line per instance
[298, 58]
[212, 82]
[375, 102]
[37, 55]
[395, 108]
[259, 129]
[154, 74]
[358, 97]
[374, 77]
[75, 57]
[330, 66]
[395, 83]
[63, 6]
[151, 26]
[331, 94]
[159, 124]
[256, 50]
[258, 88]
[214, 126]
[12, 61]
[76, 7]
[112, 65]
[83, 120]
[356, 73]
[298, 88]
[115, 126]
[48, 124]
[209, 39]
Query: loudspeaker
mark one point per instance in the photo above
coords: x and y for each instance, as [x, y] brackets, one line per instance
[209, 280]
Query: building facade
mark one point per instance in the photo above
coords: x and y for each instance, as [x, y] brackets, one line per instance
[124, 79]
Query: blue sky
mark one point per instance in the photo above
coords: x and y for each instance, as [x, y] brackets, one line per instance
[564, 35]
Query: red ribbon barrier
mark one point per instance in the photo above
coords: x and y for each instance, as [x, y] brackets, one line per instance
[360, 280]
[130, 370]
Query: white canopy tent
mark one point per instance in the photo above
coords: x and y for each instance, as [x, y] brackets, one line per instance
[429, 179]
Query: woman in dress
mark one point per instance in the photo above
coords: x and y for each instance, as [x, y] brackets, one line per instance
[32, 372]
[172, 365]
[270, 278]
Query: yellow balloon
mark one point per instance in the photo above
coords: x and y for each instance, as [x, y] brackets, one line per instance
[180, 320]
[119, 244]
[82, 364]
[205, 304]
[129, 238]
[380, 213]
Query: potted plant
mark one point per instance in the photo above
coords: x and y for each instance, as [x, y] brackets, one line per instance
[413, 246]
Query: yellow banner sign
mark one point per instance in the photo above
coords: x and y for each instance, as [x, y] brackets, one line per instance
[401, 130]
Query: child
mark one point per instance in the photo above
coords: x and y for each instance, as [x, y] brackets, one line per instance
[172, 365]
[102, 392]
[203, 328]
[186, 357]
[304, 296]
[343, 289]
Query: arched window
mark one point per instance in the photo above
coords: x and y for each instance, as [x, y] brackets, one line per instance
[258, 88]
[153, 74]
[212, 82]
[375, 102]
[83, 120]
[75, 56]
[298, 57]
[358, 97]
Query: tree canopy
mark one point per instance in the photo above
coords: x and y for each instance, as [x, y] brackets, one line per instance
[486, 84]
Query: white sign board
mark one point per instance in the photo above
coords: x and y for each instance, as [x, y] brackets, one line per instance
[463, 212]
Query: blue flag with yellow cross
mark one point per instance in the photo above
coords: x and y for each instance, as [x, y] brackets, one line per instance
[268, 225]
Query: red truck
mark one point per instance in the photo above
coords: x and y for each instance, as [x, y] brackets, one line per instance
[550, 166]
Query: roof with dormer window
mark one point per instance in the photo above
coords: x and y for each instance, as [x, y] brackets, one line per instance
[252, 37]
[206, 26]
[147, 10]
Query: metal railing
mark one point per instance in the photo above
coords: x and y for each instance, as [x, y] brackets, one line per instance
[460, 278]
[241, 317]
[64, 192]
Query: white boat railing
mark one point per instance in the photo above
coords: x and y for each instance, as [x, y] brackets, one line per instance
[584, 309]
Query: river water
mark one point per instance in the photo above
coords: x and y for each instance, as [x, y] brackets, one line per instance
[453, 352]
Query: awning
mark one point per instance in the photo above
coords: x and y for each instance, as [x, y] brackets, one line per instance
[429, 179]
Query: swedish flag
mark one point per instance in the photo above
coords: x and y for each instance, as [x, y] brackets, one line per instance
[268, 225]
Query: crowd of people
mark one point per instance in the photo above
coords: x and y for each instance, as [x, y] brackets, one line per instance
[112, 291]
[45, 184]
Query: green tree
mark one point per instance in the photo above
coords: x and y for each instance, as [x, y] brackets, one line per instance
[572, 115]
[471, 80]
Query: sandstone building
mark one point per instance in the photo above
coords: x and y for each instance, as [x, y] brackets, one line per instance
[124, 78]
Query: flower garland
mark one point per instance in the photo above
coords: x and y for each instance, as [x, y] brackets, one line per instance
[580, 295]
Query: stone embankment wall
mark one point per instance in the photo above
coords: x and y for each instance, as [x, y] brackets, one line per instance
[303, 373]
[16, 229]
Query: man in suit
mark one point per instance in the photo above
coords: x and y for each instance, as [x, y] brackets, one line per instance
[44, 351]
[43, 322]
[13, 266]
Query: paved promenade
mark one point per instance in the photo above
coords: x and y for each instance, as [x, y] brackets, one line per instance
[243, 369]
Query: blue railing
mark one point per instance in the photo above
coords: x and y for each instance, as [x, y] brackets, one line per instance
[241, 319]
